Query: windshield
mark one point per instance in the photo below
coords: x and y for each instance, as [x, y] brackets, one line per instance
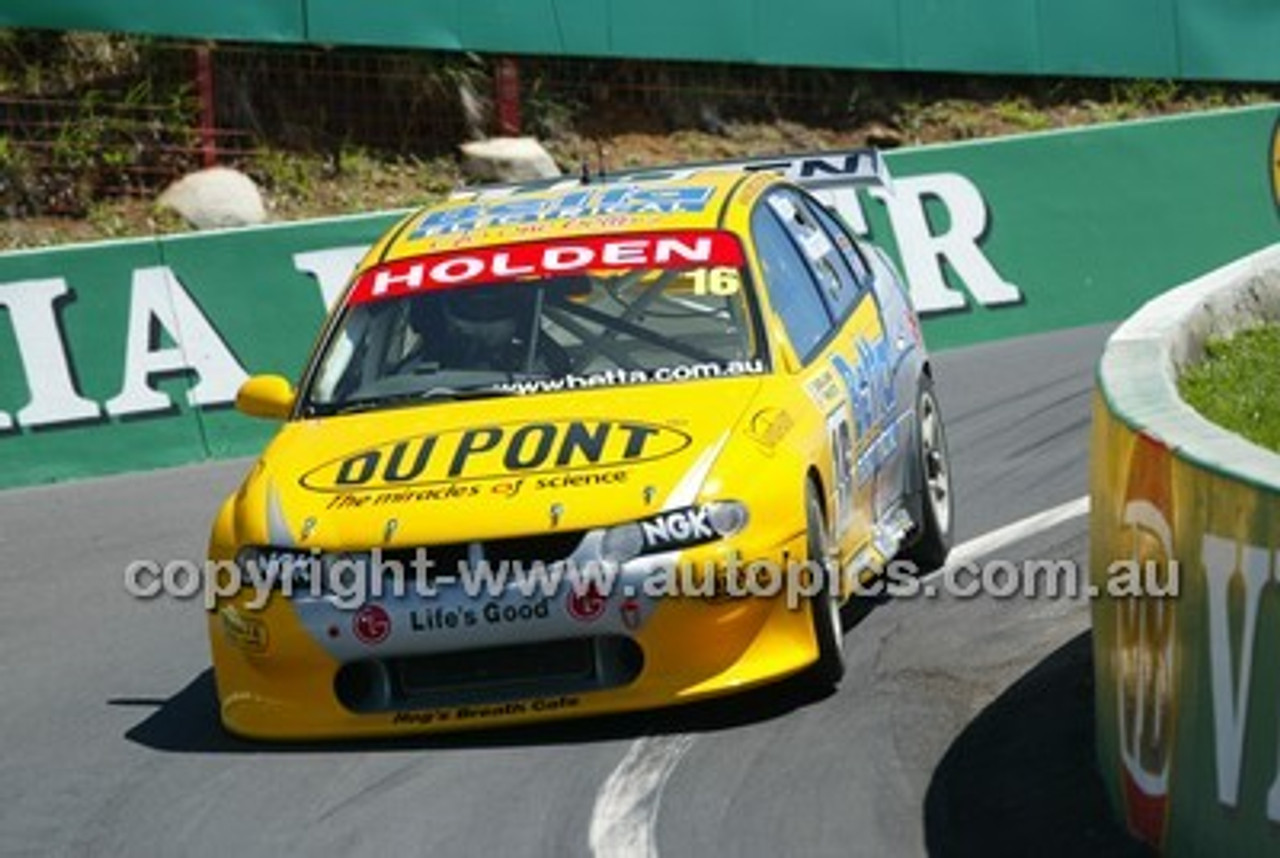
[541, 317]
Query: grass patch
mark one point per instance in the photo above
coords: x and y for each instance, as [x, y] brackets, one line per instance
[1237, 385]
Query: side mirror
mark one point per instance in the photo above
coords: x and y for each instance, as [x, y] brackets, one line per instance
[269, 396]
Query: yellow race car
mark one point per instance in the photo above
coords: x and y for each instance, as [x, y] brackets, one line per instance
[579, 447]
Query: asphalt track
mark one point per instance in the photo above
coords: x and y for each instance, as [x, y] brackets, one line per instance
[963, 725]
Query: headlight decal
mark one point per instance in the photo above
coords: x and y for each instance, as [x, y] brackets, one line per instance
[673, 530]
[678, 528]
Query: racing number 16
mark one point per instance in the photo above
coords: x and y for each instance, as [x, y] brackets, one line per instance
[715, 281]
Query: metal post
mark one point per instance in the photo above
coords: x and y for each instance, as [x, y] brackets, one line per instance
[208, 115]
[506, 84]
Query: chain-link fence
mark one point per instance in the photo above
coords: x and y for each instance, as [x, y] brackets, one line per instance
[90, 116]
[87, 116]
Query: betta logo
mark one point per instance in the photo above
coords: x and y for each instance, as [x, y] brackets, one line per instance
[1146, 666]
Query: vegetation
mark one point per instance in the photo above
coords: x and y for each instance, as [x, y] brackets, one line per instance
[129, 120]
[1237, 385]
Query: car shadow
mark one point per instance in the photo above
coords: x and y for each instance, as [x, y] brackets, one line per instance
[1022, 780]
[188, 721]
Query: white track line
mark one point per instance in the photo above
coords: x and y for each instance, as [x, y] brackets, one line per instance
[994, 540]
[623, 822]
[624, 819]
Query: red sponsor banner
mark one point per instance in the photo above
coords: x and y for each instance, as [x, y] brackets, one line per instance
[542, 259]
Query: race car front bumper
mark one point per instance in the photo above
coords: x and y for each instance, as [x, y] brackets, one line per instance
[670, 629]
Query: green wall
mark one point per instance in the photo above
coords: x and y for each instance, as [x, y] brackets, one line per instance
[1218, 39]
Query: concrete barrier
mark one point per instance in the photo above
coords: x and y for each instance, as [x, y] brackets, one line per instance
[1185, 527]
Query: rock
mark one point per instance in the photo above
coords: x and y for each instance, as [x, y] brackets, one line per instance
[883, 136]
[215, 198]
[507, 159]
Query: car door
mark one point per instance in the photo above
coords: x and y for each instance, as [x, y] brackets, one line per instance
[891, 358]
[865, 356]
[814, 324]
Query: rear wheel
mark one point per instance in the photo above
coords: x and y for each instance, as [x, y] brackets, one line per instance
[828, 630]
[931, 546]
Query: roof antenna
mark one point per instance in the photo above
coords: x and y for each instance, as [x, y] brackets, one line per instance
[586, 171]
[600, 167]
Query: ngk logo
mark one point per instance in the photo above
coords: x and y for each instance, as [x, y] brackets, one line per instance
[677, 528]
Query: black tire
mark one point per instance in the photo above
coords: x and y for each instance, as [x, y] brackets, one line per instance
[936, 519]
[828, 630]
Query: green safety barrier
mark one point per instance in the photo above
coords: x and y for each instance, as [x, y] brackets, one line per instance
[259, 21]
[1142, 38]
[126, 355]
[1185, 554]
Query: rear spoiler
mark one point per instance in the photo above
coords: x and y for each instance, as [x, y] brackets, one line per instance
[846, 168]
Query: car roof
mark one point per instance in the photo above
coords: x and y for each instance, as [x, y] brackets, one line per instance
[569, 208]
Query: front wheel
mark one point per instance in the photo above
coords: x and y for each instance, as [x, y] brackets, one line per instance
[828, 630]
[933, 468]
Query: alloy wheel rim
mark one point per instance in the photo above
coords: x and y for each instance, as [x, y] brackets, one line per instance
[936, 473]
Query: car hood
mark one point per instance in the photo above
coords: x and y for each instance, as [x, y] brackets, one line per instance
[461, 471]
